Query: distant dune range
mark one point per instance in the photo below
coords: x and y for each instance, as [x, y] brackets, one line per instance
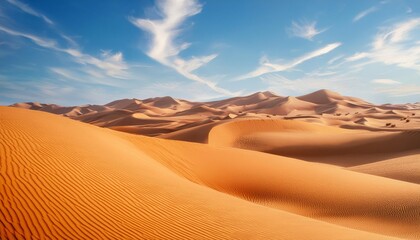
[318, 166]
[178, 119]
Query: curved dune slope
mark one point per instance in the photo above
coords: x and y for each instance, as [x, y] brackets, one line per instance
[314, 190]
[404, 168]
[315, 142]
[197, 134]
[62, 179]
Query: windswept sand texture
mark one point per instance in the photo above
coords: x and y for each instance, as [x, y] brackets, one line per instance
[64, 179]
[319, 166]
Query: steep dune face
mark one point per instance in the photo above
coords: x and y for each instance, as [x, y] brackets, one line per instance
[283, 106]
[202, 110]
[127, 104]
[325, 96]
[242, 101]
[64, 179]
[322, 96]
[162, 102]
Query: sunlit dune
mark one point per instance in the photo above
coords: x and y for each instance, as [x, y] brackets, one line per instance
[194, 119]
[261, 166]
[64, 179]
[314, 142]
[404, 167]
[179, 119]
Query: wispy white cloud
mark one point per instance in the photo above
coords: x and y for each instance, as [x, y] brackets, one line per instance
[401, 90]
[82, 75]
[361, 65]
[364, 13]
[64, 73]
[385, 81]
[46, 43]
[357, 56]
[30, 91]
[164, 32]
[322, 73]
[27, 9]
[399, 33]
[195, 62]
[54, 90]
[306, 30]
[113, 65]
[394, 46]
[50, 91]
[335, 59]
[267, 67]
[69, 40]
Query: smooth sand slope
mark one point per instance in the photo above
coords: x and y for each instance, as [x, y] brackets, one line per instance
[389, 154]
[315, 142]
[404, 168]
[64, 179]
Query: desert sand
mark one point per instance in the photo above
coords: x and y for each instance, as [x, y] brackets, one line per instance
[318, 166]
[179, 119]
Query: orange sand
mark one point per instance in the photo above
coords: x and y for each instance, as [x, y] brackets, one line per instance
[65, 179]
[318, 175]
[179, 119]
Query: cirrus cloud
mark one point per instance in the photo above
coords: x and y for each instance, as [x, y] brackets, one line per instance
[27, 9]
[364, 13]
[164, 32]
[305, 30]
[268, 67]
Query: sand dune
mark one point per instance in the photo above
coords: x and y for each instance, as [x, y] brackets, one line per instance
[104, 117]
[405, 167]
[124, 103]
[255, 98]
[197, 134]
[163, 102]
[314, 142]
[73, 111]
[170, 115]
[325, 96]
[140, 115]
[202, 110]
[285, 106]
[318, 191]
[267, 167]
[65, 179]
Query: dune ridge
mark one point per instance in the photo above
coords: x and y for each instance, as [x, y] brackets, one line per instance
[65, 179]
[172, 117]
[261, 166]
[314, 142]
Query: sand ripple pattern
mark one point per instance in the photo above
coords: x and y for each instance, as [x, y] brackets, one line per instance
[62, 179]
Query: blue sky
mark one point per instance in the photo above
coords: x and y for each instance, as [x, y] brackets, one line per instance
[96, 51]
